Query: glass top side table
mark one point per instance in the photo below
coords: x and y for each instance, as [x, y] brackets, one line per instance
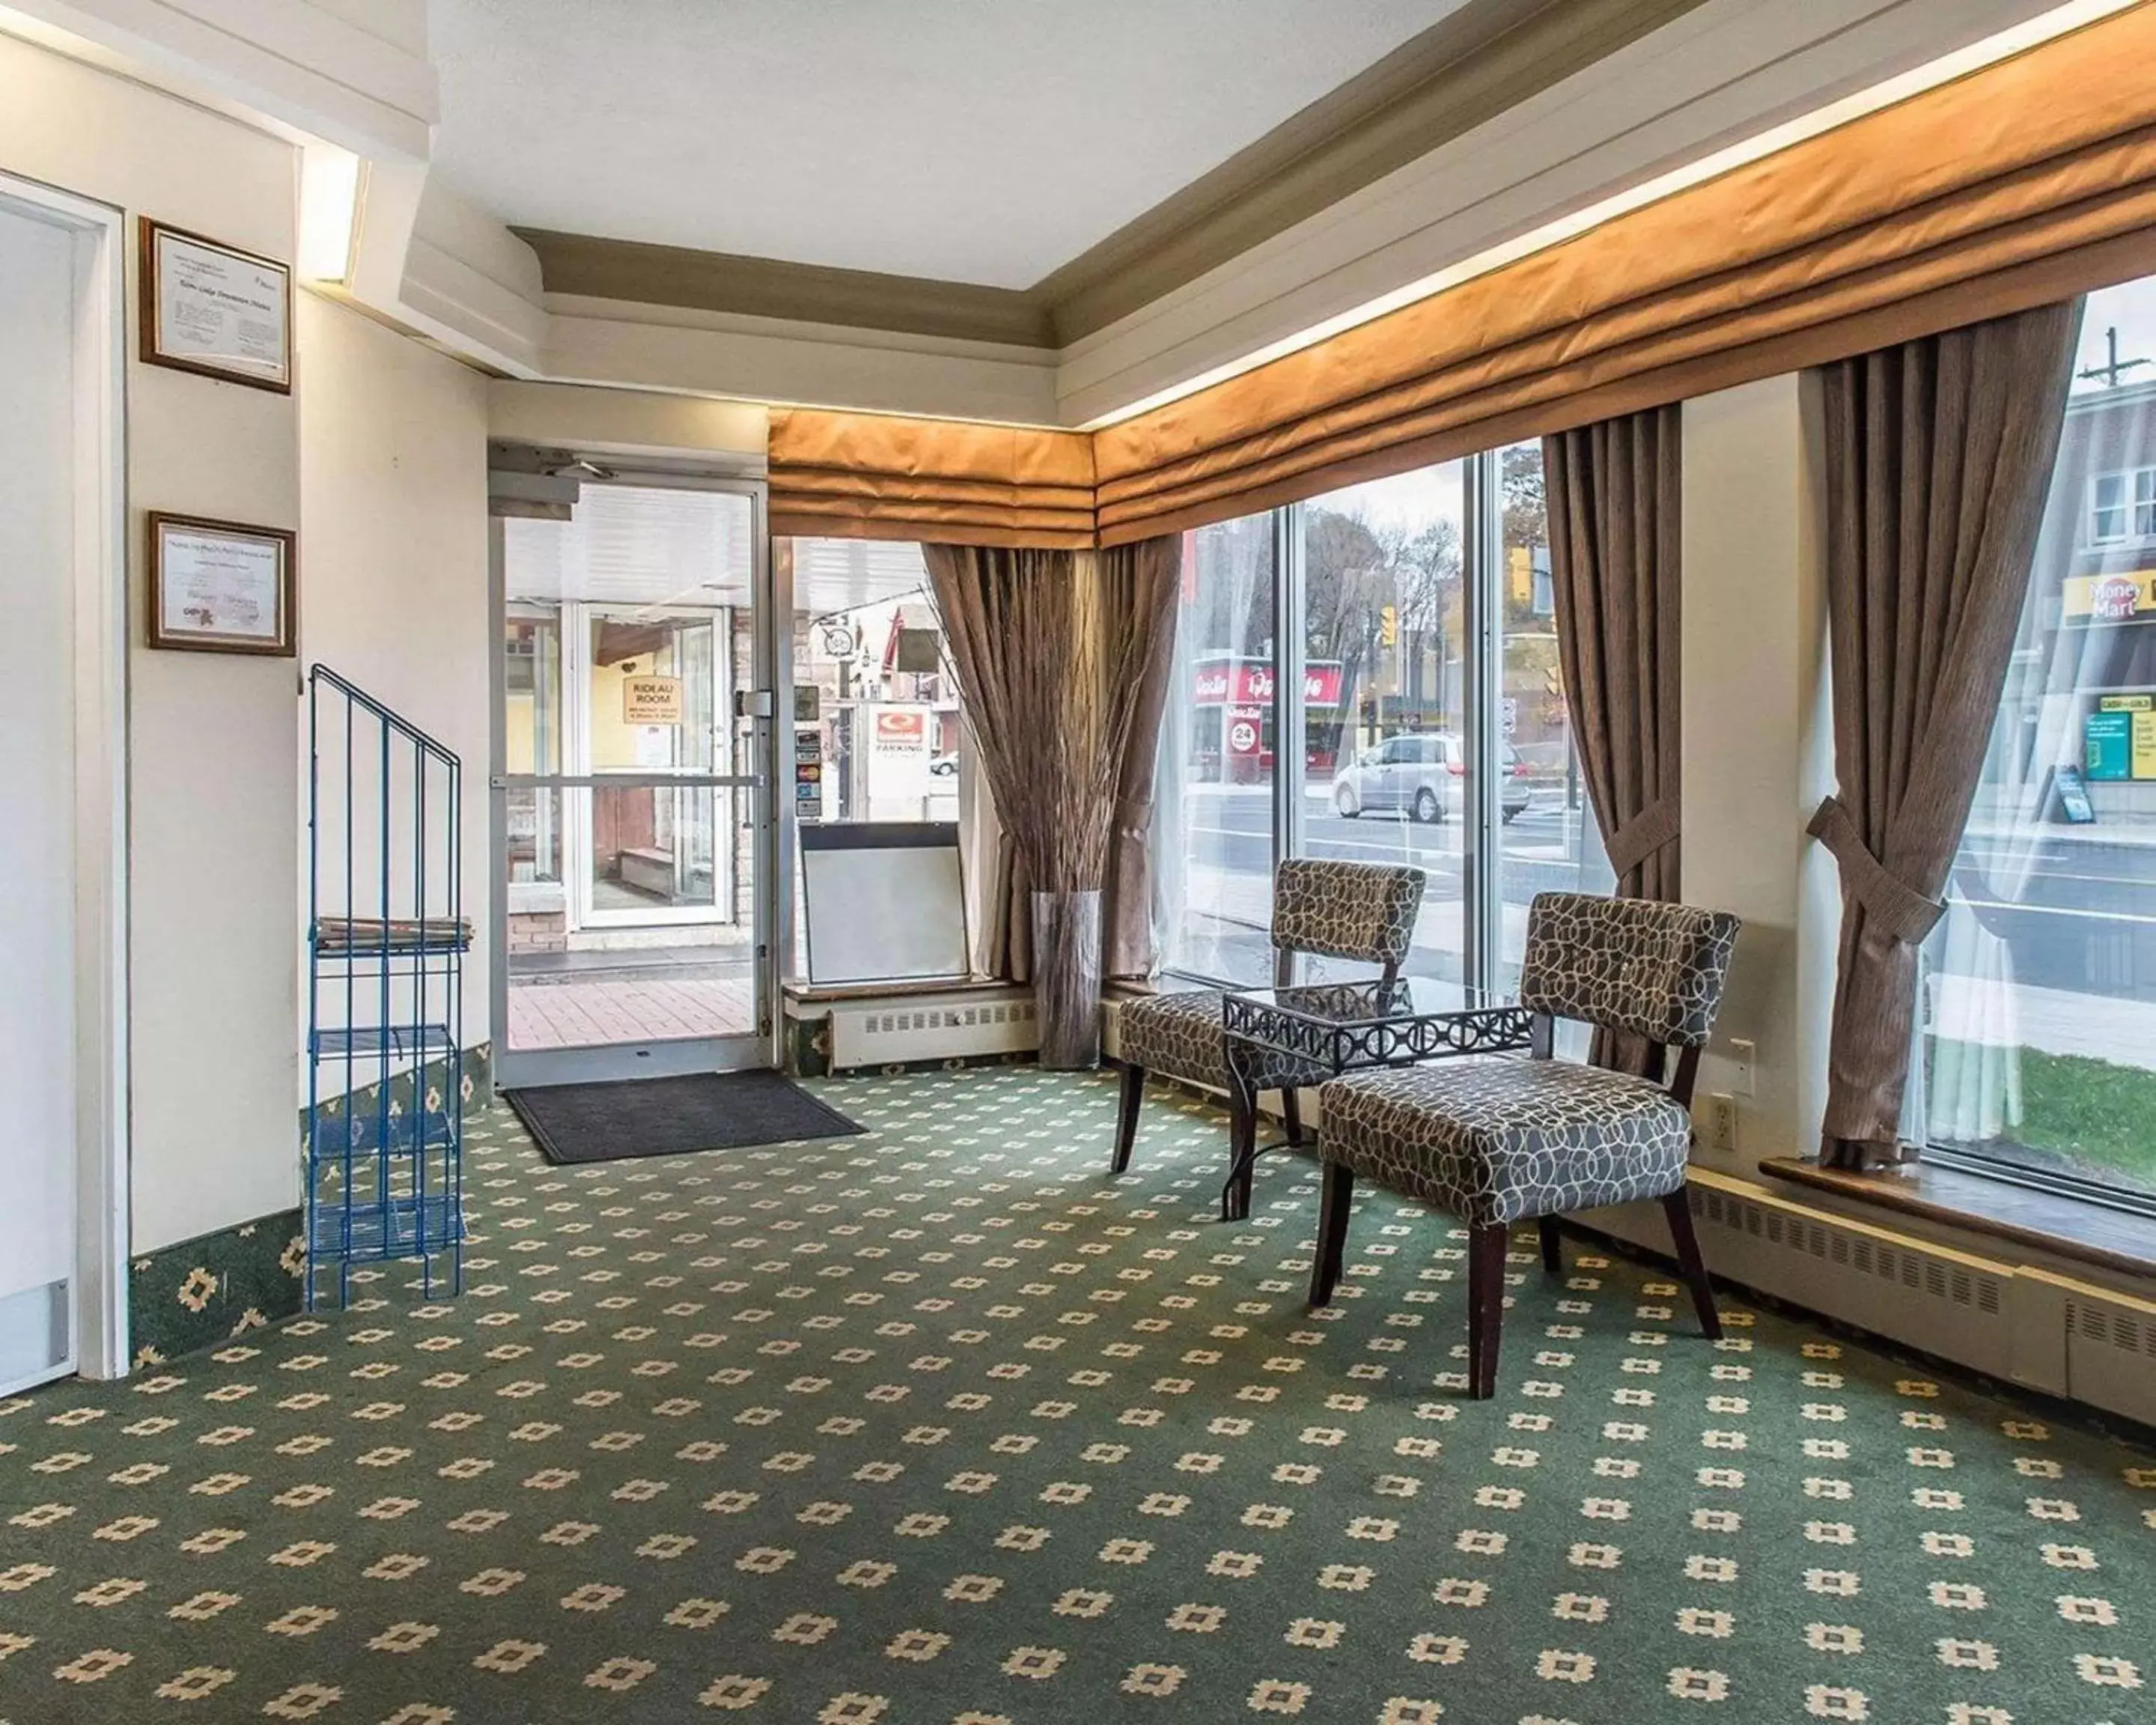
[1322, 1029]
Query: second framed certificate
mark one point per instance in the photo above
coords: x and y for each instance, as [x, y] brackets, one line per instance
[221, 587]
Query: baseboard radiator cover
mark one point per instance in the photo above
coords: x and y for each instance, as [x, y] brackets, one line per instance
[928, 1030]
[2023, 1325]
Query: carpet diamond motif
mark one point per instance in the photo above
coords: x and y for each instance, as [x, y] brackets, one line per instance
[942, 1424]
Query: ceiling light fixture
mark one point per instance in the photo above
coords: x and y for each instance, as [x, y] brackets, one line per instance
[2018, 38]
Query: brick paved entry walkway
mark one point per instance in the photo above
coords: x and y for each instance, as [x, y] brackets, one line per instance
[578, 1014]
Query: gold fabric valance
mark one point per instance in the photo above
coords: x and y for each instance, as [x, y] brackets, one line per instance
[880, 476]
[2025, 183]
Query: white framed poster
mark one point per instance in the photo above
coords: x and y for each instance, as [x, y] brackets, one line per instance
[211, 308]
[221, 587]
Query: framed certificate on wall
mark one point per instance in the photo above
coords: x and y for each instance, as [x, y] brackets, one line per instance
[211, 308]
[221, 587]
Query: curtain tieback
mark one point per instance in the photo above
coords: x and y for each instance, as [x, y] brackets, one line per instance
[1907, 914]
[1640, 837]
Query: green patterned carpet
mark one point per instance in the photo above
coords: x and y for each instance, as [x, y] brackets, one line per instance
[940, 1424]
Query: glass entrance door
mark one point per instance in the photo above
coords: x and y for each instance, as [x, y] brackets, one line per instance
[632, 810]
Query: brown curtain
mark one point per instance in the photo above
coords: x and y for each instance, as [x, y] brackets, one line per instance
[1062, 662]
[2022, 183]
[1615, 527]
[1938, 459]
[1129, 950]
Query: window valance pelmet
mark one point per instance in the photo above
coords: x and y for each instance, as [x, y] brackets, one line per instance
[2027, 182]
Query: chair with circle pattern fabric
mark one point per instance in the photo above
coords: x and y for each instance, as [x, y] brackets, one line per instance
[1364, 911]
[1496, 1140]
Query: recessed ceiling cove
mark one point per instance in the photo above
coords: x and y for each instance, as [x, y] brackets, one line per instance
[975, 140]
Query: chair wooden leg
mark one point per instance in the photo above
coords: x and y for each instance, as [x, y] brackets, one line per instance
[1485, 1306]
[1126, 1118]
[1291, 1113]
[1332, 1208]
[1552, 1249]
[1690, 1264]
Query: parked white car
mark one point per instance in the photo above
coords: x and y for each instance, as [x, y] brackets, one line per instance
[1422, 774]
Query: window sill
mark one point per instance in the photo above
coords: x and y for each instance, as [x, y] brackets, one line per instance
[2044, 1221]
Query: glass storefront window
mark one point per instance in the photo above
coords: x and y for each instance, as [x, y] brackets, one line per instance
[2038, 1011]
[1214, 800]
[875, 713]
[1384, 591]
[1549, 840]
[1384, 691]
[877, 732]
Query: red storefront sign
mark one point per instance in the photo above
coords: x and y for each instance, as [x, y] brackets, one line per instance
[1225, 682]
[2114, 599]
[1246, 730]
[902, 730]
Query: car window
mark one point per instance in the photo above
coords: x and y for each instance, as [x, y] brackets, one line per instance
[1399, 748]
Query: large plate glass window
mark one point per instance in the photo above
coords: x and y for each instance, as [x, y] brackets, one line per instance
[2039, 1012]
[1214, 801]
[1388, 776]
[1548, 838]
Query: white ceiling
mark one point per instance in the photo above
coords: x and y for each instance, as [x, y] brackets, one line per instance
[979, 141]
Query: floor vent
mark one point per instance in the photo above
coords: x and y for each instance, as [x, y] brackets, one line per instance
[931, 1030]
[1930, 1297]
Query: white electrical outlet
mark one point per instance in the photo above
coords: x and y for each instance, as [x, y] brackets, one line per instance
[1722, 1121]
[1743, 1058]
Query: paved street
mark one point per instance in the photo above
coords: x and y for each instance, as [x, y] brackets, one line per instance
[2085, 921]
[1228, 900]
[2082, 923]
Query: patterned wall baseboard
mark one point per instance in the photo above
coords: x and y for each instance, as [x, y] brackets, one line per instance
[202, 1292]
[364, 1108]
[205, 1290]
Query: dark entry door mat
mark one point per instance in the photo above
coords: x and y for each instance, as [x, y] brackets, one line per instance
[578, 1123]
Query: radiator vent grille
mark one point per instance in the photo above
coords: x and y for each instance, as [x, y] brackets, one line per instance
[1902, 1267]
[2111, 1327]
[946, 1018]
[871, 1036]
[2065, 1339]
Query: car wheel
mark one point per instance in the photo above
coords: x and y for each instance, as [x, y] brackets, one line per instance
[1344, 802]
[1427, 809]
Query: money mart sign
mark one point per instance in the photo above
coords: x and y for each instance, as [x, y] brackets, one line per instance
[2111, 599]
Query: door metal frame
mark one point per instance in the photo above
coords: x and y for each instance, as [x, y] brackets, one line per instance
[754, 1049]
[577, 667]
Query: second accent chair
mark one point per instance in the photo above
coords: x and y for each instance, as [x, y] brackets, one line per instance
[1496, 1140]
[1364, 911]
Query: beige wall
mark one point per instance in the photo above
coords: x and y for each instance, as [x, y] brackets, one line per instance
[213, 955]
[393, 491]
[627, 421]
[1758, 749]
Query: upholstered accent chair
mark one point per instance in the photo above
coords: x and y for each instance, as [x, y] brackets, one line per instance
[1336, 910]
[1496, 1140]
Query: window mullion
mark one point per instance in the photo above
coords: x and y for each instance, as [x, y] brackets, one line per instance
[1289, 716]
[1482, 557]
